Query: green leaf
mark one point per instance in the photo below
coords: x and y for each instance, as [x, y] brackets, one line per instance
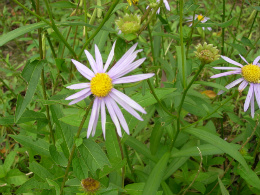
[55, 185]
[211, 84]
[93, 155]
[20, 31]
[39, 147]
[9, 160]
[156, 175]
[140, 148]
[241, 49]
[80, 169]
[112, 145]
[41, 171]
[148, 99]
[156, 137]
[166, 188]
[206, 149]
[58, 157]
[16, 177]
[137, 189]
[32, 73]
[222, 187]
[63, 4]
[249, 176]
[62, 129]
[219, 143]
[223, 25]
[174, 166]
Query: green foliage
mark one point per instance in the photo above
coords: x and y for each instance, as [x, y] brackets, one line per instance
[190, 141]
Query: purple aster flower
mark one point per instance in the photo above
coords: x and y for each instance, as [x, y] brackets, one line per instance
[101, 86]
[200, 18]
[250, 76]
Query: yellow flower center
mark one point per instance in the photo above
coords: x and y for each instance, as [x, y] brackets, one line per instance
[251, 73]
[200, 17]
[101, 85]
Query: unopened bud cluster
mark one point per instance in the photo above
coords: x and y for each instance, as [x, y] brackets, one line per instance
[129, 24]
[207, 53]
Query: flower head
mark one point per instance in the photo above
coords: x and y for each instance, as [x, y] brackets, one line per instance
[207, 53]
[250, 75]
[90, 185]
[101, 85]
[200, 18]
[129, 24]
[154, 3]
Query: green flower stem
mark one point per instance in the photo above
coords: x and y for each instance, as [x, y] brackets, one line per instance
[74, 146]
[155, 96]
[234, 3]
[106, 17]
[191, 33]
[223, 29]
[252, 24]
[214, 111]
[122, 156]
[154, 58]
[182, 101]
[182, 45]
[42, 76]
[150, 18]
[53, 25]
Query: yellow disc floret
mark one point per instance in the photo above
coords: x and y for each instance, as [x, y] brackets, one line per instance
[101, 85]
[251, 73]
[200, 17]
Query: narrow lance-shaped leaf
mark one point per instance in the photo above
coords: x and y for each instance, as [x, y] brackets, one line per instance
[156, 175]
[219, 143]
[33, 75]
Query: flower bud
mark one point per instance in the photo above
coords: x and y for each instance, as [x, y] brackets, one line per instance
[129, 24]
[207, 53]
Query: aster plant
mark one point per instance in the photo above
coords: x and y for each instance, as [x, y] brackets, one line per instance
[101, 85]
[199, 18]
[250, 75]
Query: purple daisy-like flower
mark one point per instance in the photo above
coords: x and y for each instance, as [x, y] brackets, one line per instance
[200, 18]
[250, 76]
[101, 86]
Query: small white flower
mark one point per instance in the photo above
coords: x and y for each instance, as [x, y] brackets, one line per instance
[200, 18]
[250, 75]
[101, 86]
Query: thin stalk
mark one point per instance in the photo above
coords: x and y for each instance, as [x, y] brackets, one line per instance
[182, 46]
[234, 3]
[151, 17]
[74, 147]
[112, 7]
[154, 59]
[53, 25]
[122, 156]
[42, 76]
[223, 29]
[155, 96]
[191, 32]
[182, 101]
[252, 24]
